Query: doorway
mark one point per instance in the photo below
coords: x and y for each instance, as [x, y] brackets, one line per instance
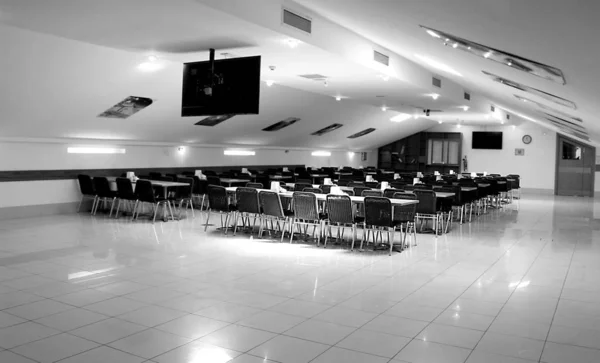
[575, 168]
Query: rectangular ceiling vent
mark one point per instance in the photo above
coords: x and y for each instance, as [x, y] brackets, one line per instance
[214, 120]
[281, 124]
[314, 77]
[436, 82]
[327, 129]
[296, 21]
[467, 96]
[381, 58]
[362, 133]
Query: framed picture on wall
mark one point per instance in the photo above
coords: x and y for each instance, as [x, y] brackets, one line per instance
[519, 152]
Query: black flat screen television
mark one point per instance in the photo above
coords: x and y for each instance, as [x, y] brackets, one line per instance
[487, 140]
[233, 88]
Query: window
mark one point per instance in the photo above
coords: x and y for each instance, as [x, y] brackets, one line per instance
[570, 151]
[440, 151]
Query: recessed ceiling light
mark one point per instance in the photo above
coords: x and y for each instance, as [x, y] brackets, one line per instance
[338, 98]
[487, 55]
[383, 108]
[440, 122]
[433, 34]
[487, 117]
[437, 65]
[501, 122]
[149, 66]
[416, 116]
[455, 45]
[465, 108]
[270, 82]
[321, 153]
[514, 127]
[236, 152]
[435, 96]
[458, 126]
[152, 58]
[400, 117]
[292, 43]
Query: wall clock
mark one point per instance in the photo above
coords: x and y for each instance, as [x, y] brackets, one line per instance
[527, 139]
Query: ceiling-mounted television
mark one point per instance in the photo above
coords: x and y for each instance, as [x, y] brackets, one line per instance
[487, 140]
[221, 87]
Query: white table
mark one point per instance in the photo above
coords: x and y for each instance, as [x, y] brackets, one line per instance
[230, 181]
[165, 185]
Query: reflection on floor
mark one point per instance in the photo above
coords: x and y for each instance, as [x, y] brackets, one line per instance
[512, 286]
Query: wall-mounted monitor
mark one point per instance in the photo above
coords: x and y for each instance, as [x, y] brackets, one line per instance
[487, 140]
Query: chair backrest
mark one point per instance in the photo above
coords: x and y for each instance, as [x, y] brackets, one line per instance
[378, 211]
[154, 174]
[304, 181]
[339, 209]
[405, 213]
[373, 185]
[247, 200]
[456, 199]
[217, 198]
[358, 190]
[209, 173]
[102, 187]
[298, 187]
[270, 203]
[144, 191]
[356, 184]
[423, 186]
[389, 192]
[305, 206]
[200, 186]
[427, 201]
[372, 193]
[125, 189]
[213, 180]
[313, 190]
[185, 191]
[349, 192]
[164, 178]
[343, 182]
[326, 189]
[255, 185]
[86, 184]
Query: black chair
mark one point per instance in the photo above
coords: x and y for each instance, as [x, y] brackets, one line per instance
[515, 184]
[247, 205]
[125, 193]
[359, 190]
[313, 190]
[298, 187]
[145, 194]
[213, 180]
[210, 173]
[326, 188]
[255, 185]
[154, 175]
[398, 184]
[184, 195]
[304, 181]
[218, 203]
[427, 208]
[306, 212]
[389, 192]
[372, 193]
[86, 185]
[340, 214]
[353, 184]
[373, 184]
[378, 219]
[272, 211]
[349, 192]
[446, 206]
[104, 194]
[200, 190]
[404, 216]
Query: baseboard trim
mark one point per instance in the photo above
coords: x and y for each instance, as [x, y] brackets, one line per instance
[537, 191]
[38, 210]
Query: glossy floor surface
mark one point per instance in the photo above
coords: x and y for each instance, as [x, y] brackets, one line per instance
[514, 286]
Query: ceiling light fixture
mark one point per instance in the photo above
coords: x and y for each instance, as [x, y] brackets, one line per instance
[437, 65]
[458, 126]
[95, 150]
[433, 34]
[383, 108]
[487, 55]
[149, 66]
[292, 43]
[338, 98]
[152, 58]
[321, 153]
[514, 127]
[416, 116]
[400, 117]
[455, 45]
[270, 82]
[236, 152]
[435, 96]
[440, 122]
[465, 108]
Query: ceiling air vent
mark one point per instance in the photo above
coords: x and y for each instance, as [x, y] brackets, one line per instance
[296, 21]
[329, 128]
[381, 58]
[314, 77]
[436, 82]
[281, 124]
[467, 96]
[362, 133]
[213, 120]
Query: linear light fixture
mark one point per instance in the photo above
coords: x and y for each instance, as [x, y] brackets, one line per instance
[95, 150]
[239, 152]
[401, 117]
[321, 153]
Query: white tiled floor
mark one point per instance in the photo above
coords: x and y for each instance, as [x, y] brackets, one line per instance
[514, 286]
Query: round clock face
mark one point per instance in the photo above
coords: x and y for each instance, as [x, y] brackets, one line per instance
[527, 139]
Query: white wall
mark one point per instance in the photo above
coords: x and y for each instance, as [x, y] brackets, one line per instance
[48, 156]
[536, 167]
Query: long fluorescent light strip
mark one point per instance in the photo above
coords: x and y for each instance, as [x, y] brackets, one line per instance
[321, 153]
[94, 150]
[239, 152]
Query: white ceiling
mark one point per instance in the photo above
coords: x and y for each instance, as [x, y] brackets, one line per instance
[86, 60]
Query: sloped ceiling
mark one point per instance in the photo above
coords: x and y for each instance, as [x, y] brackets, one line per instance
[69, 60]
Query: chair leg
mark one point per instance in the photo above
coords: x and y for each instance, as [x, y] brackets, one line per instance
[80, 203]
[235, 221]
[364, 237]
[207, 218]
[112, 205]
[292, 229]
[391, 241]
[353, 236]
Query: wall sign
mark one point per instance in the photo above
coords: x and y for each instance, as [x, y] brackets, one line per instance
[520, 152]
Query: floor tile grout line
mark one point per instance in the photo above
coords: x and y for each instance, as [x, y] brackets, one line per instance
[558, 302]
